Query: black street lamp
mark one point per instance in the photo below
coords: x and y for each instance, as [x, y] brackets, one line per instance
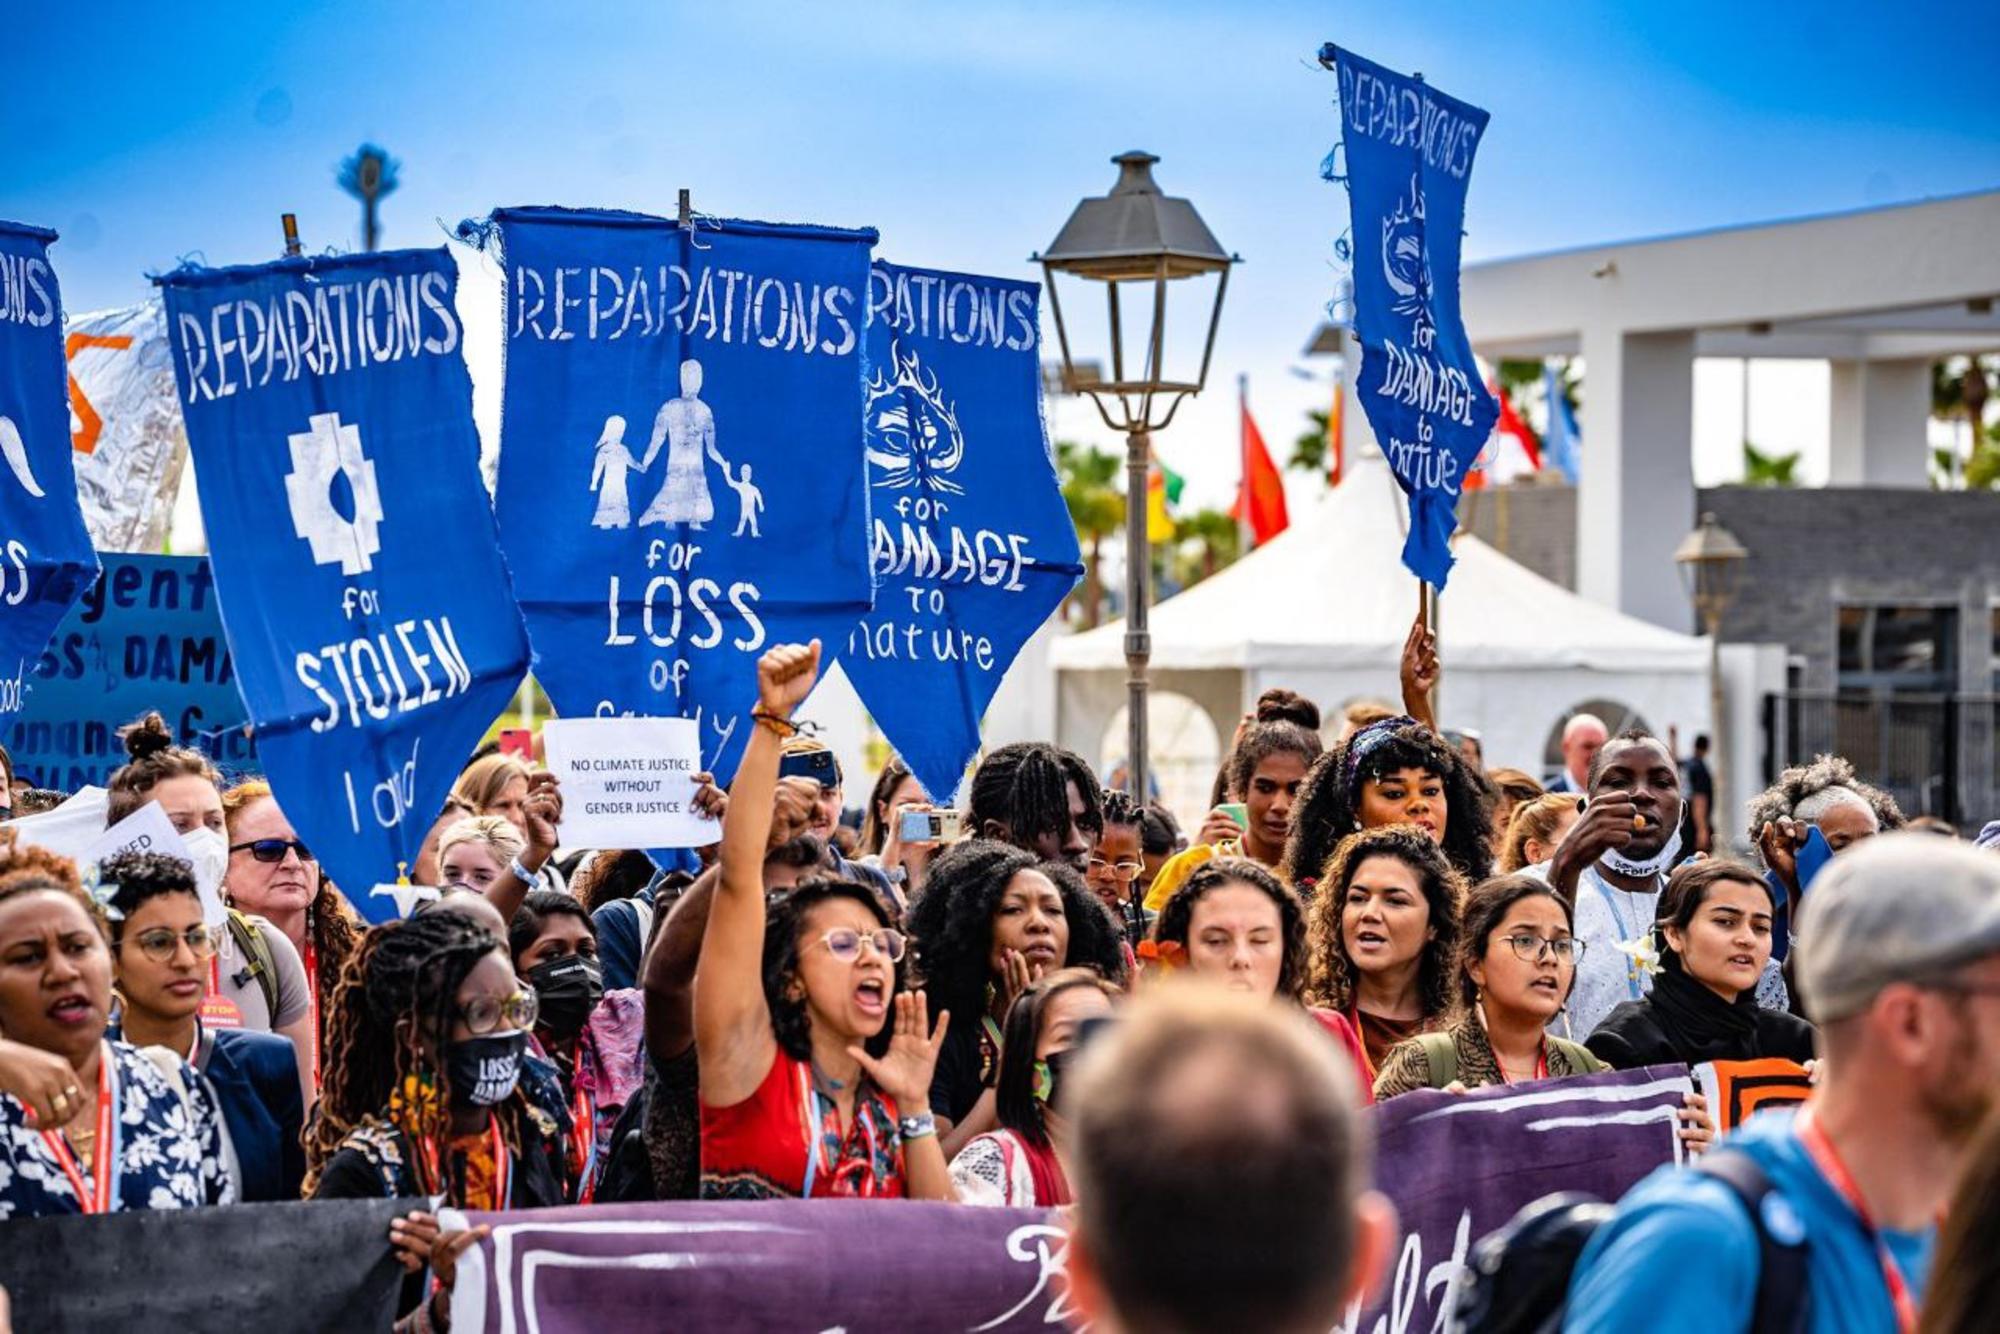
[1136, 235]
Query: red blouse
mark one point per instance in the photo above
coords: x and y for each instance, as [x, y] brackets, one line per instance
[783, 1142]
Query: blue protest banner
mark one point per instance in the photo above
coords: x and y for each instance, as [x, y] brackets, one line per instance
[146, 635]
[1409, 159]
[973, 546]
[369, 615]
[46, 559]
[681, 475]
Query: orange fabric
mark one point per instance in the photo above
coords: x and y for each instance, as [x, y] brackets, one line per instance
[1745, 1087]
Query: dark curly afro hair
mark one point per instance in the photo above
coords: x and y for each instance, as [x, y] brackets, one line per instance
[952, 923]
[1328, 812]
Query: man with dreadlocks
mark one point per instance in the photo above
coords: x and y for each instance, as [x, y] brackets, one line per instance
[423, 1060]
[1041, 798]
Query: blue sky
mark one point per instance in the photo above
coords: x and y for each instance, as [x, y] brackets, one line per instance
[966, 132]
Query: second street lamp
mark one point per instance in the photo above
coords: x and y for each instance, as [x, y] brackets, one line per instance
[1711, 560]
[1136, 237]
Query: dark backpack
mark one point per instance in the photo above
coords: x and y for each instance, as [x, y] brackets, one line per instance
[1518, 1277]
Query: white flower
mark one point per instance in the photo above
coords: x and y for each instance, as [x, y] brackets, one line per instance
[1644, 953]
[142, 1150]
[163, 1198]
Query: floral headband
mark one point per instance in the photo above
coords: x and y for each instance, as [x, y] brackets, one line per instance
[1364, 742]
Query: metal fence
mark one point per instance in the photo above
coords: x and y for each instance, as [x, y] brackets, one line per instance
[1916, 746]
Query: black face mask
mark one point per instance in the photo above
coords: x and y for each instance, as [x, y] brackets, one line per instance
[483, 1071]
[568, 989]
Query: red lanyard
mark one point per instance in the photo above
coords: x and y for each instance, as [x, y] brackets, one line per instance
[583, 1133]
[217, 1010]
[1367, 1061]
[96, 1195]
[311, 961]
[1820, 1149]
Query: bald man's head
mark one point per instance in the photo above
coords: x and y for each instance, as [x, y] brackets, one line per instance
[1221, 1170]
[1583, 736]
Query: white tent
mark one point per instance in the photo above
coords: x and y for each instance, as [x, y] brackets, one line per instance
[1324, 609]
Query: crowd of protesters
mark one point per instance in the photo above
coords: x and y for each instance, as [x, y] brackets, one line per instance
[944, 1011]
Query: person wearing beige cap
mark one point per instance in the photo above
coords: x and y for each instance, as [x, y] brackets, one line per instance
[1899, 965]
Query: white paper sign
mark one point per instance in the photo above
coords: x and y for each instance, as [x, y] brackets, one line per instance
[69, 830]
[148, 829]
[628, 782]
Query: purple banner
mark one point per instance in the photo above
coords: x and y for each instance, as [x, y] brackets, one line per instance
[1459, 1166]
[805, 1265]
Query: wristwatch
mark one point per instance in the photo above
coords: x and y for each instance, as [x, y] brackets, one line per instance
[916, 1127]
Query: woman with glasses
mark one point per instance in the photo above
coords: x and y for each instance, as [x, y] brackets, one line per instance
[160, 953]
[815, 1066]
[88, 1124]
[1118, 865]
[274, 875]
[1516, 963]
[1019, 1165]
[1713, 933]
[425, 1040]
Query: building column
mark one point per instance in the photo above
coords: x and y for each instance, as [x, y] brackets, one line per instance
[1635, 500]
[1879, 415]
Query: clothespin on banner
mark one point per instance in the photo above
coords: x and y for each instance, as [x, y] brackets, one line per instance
[291, 225]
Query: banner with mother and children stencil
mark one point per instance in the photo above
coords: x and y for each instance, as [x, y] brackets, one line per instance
[681, 479]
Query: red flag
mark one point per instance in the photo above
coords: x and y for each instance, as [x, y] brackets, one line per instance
[1260, 500]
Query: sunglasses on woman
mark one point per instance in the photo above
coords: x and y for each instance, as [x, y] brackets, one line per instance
[161, 943]
[487, 1014]
[273, 850]
[844, 943]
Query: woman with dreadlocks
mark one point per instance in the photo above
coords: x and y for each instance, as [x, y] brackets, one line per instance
[1396, 771]
[423, 1058]
[815, 1072]
[991, 921]
[1040, 798]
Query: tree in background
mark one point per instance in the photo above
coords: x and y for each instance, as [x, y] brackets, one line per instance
[1960, 390]
[1204, 542]
[1097, 507]
[370, 175]
[1761, 469]
[1309, 450]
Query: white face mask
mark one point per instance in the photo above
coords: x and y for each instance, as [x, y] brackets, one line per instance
[1649, 868]
[209, 852]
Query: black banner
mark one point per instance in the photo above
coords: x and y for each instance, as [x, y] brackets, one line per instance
[307, 1267]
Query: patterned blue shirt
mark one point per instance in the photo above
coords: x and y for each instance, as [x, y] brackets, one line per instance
[170, 1148]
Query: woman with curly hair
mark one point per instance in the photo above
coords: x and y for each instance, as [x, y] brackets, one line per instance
[273, 874]
[1515, 964]
[1267, 770]
[1380, 936]
[1232, 922]
[87, 1124]
[1019, 1163]
[992, 919]
[1392, 772]
[425, 1041]
[815, 1066]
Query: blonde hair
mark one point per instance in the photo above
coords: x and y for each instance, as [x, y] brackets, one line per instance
[493, 832]
[483, 780]
[1538, 820]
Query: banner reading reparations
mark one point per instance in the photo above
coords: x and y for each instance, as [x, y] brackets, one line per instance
[973, 546]
[681, 481]
[1409, 159]
[370, 618]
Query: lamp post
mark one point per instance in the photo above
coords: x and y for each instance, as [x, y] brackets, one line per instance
[1132, 236]
[1711, 560]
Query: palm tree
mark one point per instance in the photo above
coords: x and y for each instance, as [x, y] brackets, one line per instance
[1097, 508]
[1220, 539]
[1761, 469]
[1309, 450]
